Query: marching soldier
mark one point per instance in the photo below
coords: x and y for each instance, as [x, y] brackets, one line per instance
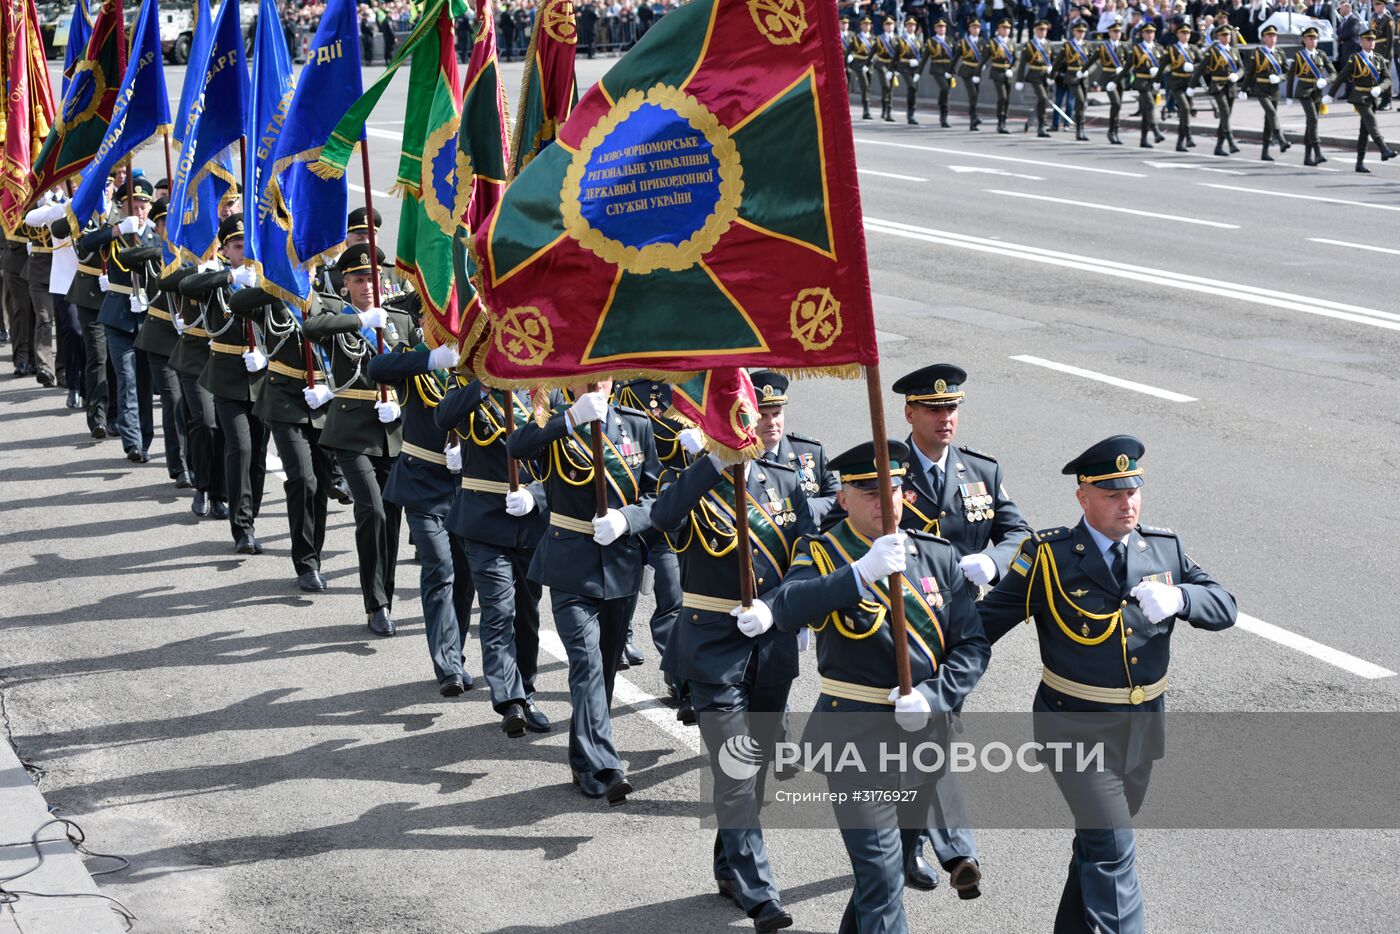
[1036, 62]
[364, 431]
[941, 66]
[859, 54]
[1001, 59]
[13, 258]
[1365, 73]
[732, 671]
[203, 434]
[158, 339]
[1113, 67]
[1313, 70]
[1145, 65]
[1072, 71]
[1223, 71]
[1266, 73]
[956, 493]
[972, 59]
[499, 529]
[838, 587]
[592, 564]
[886, 68]
[1383, 25]
[1105, 596]
[789, 449]
[1180, 60]
[911, 63]
[41, 320]
[86, 296]
[234, 375]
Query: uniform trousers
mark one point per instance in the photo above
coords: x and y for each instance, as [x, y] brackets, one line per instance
[440, 559]
[203, 436]
[376, 525]
[21, 310]
[173, 418]
[96, 389]
[134, 420]
[593, 631]
[41, 327]
[308, 484]
[510, 620]
[878, 837]
[245, 462]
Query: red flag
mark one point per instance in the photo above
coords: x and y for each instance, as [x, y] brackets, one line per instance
[723, 404]
[547, 91]
[28, 112]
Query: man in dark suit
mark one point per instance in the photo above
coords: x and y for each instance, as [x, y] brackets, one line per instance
[1349, 29]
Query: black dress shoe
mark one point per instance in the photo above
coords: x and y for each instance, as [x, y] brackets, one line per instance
[587, 785]
[138, 457]
[622, 663]
[685, 713]
[917, 871]
[380, 623]
[74, 401]
[248, 545]
[964, 876]
[184, 482]
[218, 509]
[725, 889]
[452, 687]
[535, 720]
[513, 724]
[616, 787]
[99, 433]
[46, 379]
[468, 682]
[340, 492]
[771, 916]
[311, 582]
[200, 505]
[629, 652]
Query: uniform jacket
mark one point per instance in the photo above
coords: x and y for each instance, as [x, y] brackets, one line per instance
[280, 396]
[85, 289]
[224, 374]
[819, 484]
[1263, 62]
[419, 480]
[121, 278]
[1363, 71]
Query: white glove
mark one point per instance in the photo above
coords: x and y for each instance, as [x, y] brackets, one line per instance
[1080, 75]
[804, 639]
[104, 283]
[1152, 71]
[692, 439]
[978, 568]
[1327, 98]
[374, 318]
[454, 458]
[129, 225]
[1375, 92]
[1191, 92]
[519, 503]
[976, 79]
[388, 411]
[911, 62]
[1111, 87]
[1020, 85]
[911, 711]
[609, 527]
[1275, 79]
[885, 557]
[754, 621]
[1234, 77]
[1241, 96]
[589, 407]
[317, 396]
[207, 266]
[245, 277]
[444, 357]
[179, 323]
[254, 360]
[1188, 67]
[1158, 600]
[46, 214]
[138, 307]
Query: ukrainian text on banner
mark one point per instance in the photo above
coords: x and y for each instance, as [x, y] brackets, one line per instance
[700, 203]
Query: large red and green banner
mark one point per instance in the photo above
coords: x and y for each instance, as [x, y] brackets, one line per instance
[28, 109]
[547, 91]
[698, 209]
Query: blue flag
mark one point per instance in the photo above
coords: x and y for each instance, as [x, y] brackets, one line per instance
[142, 110]
[202, 35]
[267, 225]
[214, 125]
[329, 84]
[79, 31]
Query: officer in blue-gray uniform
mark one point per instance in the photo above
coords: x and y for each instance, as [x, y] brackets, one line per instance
[838, 586]
[1105, 596]
[728, 672]
[592, 564]
[421, 483]
[788, 448]
[956, 493]
[499, 529]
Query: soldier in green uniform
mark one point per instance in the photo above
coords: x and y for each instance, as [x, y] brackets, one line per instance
[910, 64]
[1266, 73]
[1365, 73]
[732, 671]
[972, 59]
[1035, 65]
[1181, 60]
[1071, 72]
[86, 298]
[942, 62]
[365, 431]
[1313, 70]
[1145, 65]
[233, 374]
[158, 340]
[860, 53]
[1223, 71]
[789, 449]
[41, 322]
[1001, 59]
[1383, 25]
[14, 257]
[1105, 596]
[1113, 69]
[838, 586]
[886, 68]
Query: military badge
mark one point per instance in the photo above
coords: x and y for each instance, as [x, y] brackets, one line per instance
[1164, 578]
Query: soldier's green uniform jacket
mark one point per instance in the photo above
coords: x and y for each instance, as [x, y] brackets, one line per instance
[192, 352]
[280, 397]
[972, 56]
[1174, 61]
[158, 334]
[1098, 650]
[887, 49]
[1145, 65]
[1384, 28]
[695, 509]
[1001, 54]
[861, 48]
[1221, 61]
[40, 250]
[224, 375]
[940, 53]
[1036, 62]
[1314, 69]
[1362, 71]
[352, 424]
[1263, 63]
[1073, 57]
[1112, 61]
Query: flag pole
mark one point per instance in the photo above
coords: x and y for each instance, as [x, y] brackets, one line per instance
[512, 469]
[248, 333]
[373, 253]
[898, 624]
[600, 486]
[741, 531]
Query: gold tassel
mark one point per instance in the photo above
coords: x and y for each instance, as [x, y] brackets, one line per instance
[326, 170]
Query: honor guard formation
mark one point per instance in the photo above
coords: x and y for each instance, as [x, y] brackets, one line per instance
[1161, 76]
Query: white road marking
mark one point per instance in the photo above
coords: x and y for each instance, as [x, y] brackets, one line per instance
[1285, 194]
[1067, 166]
[902, 178]
[1105, 378]
[963, 169]
[1355, 246]
[1192, 165]
[383, 134]
[1331, 656]
[1108, 207]
[627, 693]
[360, 188]
[1138, 273]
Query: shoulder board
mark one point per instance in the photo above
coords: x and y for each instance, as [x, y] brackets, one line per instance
[926, 536]
[628, 410]
[976, 453]
[1052, 535]
[1153, 530]
[802, 439]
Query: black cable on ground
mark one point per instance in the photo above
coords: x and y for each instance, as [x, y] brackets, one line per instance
[76, 837]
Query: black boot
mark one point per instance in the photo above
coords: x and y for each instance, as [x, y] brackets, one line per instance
[975, 125]
[1144, 144]
[1361, 164]
[865, 114]
[1181, 144]
[1113, 136]
[1158, 135]
[1220, 149]
[912, 121]
[1283, 144]
[1265, 157]
[1040, 130]
[1230, 141]
[1387, 153]
[1190, 141]
[1079, 135]
[1317, 153]
[943, 119]
[887, 113]
[1308, 155]
[1001, 125]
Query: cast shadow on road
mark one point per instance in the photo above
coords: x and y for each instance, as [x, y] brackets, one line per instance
[50, 567]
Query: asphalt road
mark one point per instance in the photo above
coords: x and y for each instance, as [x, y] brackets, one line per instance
[267, 765]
